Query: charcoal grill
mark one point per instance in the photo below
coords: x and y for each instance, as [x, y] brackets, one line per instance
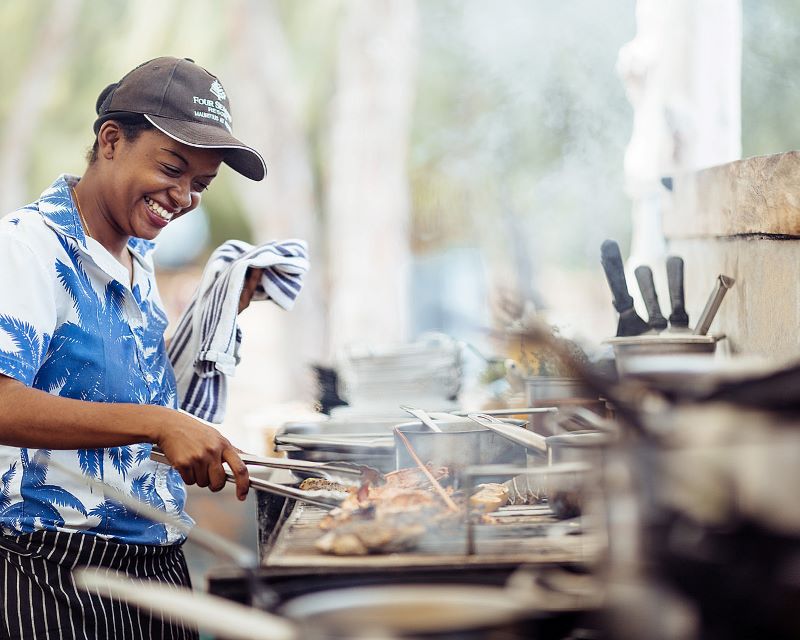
[291, 565]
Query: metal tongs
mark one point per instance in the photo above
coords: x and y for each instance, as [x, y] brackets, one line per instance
[342, 472]
[321, 498]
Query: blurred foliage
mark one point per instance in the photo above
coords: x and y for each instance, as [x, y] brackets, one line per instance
[770, 84]
[519, 126]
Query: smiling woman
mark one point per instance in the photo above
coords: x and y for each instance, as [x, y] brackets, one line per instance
[85, 380]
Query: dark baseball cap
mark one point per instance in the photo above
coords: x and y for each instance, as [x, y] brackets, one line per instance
[187, 103]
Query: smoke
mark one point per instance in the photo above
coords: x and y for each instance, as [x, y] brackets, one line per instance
[536, 119]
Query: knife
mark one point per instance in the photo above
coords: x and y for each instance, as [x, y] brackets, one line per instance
[644, 276]
[630, 324]
[678, 318]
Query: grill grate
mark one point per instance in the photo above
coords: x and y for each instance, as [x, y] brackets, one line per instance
[519, 533]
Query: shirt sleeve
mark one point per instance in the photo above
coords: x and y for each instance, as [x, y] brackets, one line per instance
[27, 309]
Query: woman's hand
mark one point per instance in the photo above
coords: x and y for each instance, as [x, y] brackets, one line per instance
[197, 451]
[250, 284]
[32, 418]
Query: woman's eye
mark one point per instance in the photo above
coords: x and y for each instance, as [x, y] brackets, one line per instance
[200, 186]
[170, 170]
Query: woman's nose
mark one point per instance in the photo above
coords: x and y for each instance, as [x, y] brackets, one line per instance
[181, 194]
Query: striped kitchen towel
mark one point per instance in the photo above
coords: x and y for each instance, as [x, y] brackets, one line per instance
[204, 350]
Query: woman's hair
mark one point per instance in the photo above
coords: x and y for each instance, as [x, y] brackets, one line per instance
[132, 126]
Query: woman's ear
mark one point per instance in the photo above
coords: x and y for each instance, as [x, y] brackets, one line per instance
[108, 137]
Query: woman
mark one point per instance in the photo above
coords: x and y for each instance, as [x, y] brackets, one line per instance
[85, 383]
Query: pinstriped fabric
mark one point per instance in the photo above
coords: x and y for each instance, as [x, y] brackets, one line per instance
[38, 598]
[205, 348]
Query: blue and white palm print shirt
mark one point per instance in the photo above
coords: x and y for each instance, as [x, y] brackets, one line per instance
[72, 325]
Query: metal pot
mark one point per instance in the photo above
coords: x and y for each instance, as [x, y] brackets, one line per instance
[566, 492]
[665, 345]
[558, 392]
[564, 489]
[540, 390]
[461, 443]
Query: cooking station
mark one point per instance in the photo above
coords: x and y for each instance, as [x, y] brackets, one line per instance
[290, 564]
[695, 535]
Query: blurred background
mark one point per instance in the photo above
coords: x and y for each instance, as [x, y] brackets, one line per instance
[450, 162]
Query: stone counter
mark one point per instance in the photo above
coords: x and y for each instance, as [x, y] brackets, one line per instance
[742, 219]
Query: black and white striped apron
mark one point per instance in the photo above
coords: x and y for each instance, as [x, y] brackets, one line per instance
[38, 598]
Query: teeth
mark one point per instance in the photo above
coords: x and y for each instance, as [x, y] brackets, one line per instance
[158, 209]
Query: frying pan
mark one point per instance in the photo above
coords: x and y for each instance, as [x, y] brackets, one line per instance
[377, 612]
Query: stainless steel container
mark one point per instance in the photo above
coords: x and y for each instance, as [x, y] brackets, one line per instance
[461, 443]
[542, 391]
[626, 350]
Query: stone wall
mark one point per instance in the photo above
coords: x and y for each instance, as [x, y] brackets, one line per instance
[742, 220]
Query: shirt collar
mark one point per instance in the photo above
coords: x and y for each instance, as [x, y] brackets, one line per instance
[59, 211]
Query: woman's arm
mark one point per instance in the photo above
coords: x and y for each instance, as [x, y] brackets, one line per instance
[36, 419]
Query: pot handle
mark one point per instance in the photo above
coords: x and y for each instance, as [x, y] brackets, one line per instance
[517, 435]
[589, 419]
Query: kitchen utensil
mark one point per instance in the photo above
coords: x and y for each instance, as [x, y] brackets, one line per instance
[421, 415]
[521, 437]
[582, 419]
[210, 614]
[630, 324]
[413, 610]
[460, 444]
[715, 299]
[421, 465]
[678, 318]
[644, 276]
[365, 440]
[501, 412]
[665, 345]
[327, 499]
[549, 391]
[366, 443]
[343, 472]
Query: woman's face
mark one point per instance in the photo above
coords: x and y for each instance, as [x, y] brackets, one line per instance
[155, 180]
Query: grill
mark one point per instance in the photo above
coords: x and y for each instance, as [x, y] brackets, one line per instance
[522, 534]
[292, 566]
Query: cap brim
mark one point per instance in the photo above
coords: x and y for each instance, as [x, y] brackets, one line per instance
[237, 155]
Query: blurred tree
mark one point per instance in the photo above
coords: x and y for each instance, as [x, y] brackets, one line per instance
[770, 84]
[270, 115]
[30, 98]
[367, 194]
[526, 121]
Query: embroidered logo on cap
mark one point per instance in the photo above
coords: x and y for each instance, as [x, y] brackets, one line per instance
[217, 90]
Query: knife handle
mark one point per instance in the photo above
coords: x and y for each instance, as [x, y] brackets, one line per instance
[644, 276]
[611, 259]
[678, 317]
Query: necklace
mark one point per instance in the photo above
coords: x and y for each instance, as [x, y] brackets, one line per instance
[80, 213]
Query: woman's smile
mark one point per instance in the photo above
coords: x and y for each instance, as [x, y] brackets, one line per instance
[161, 216]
